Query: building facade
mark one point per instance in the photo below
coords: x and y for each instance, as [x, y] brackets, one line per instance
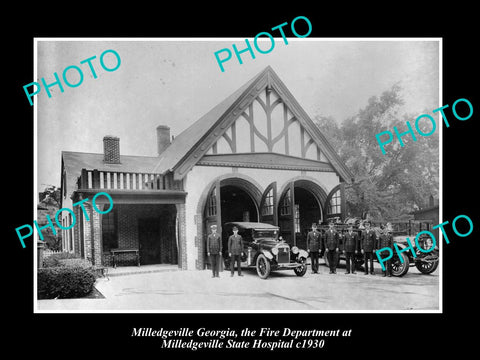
[256, 156]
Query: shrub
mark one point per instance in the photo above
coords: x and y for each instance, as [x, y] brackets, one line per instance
[54, 259]
[64, 282]
[75, 263]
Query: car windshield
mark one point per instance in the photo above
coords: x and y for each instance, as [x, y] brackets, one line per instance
[265, 234]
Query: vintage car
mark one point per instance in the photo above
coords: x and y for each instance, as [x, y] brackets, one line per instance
[426, 263]
[264, 251]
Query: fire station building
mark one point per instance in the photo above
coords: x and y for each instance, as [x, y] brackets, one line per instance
[256, 156]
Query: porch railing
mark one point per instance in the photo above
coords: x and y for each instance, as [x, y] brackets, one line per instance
[95, 179]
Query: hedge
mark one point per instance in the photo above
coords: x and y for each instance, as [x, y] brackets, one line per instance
[64, 282]
[55, 259]
[82, 263]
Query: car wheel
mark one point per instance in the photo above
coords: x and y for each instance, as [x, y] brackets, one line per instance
[399, 269]
[263, 266]
[426, 267]
[301, 270]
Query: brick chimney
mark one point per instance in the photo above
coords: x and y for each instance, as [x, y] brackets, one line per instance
[163, 138]
[111, 150]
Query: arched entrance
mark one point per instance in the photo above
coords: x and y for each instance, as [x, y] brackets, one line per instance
[237, 204]
[230, 199]
[300, 204]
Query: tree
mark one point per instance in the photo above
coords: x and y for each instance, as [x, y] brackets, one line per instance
[386, 186]
[50, 196]
[49, 204]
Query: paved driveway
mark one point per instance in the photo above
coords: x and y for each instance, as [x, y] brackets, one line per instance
[197, 291]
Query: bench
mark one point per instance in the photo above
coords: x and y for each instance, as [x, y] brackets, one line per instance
[122, 251]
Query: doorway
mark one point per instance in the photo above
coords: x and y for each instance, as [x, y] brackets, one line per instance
[157, 234]
[230, 199]
[299, 206]
[236, 205]
[149, 240]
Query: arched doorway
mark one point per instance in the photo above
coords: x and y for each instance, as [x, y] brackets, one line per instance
[237, 204]
[300, 204]
[230, 199]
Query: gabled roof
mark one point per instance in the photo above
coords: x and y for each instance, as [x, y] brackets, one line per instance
[187, 139]
[190, 145]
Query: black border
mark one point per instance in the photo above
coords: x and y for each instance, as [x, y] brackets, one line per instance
[374, 334]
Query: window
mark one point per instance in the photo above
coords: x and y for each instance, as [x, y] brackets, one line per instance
[335, 203]
[267, 208]
[297, 218]
[212, 204]
[109, 230]
[285, 205]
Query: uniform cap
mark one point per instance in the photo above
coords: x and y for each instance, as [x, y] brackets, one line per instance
[235, 228]
[213, 226]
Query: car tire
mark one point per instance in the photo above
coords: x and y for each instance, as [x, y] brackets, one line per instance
[262, 266]
[426, 268]
[399, 269]
[301, 270]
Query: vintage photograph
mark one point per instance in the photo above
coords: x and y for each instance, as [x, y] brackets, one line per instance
[165, 184]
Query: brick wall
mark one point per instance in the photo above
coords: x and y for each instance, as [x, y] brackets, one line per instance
[182, 238]
[87, 232]
[128, 231]
[96, 220]
[76, 231]
[200, 243]
[111, 150]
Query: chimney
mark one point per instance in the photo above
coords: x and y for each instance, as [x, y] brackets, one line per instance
[163, 138]
[111, 149]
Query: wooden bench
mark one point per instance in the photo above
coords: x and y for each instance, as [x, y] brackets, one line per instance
[120, 251]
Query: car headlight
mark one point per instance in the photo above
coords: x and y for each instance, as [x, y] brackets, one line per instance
[275, 251]
[295, 250]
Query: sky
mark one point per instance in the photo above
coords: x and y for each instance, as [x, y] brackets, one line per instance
[174, 82]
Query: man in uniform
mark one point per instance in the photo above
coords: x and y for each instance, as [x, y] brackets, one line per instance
[313, 247]
[214, 250]
[368, 245]
[385, 240]
[331, 245]
[235, 250]
[350, 244]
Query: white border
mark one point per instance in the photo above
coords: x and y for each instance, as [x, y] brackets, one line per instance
[35, 142]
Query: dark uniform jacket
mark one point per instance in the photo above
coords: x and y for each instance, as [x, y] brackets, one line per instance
[214, 244]
[331, 239]
[235, 244]
[314, 239]
[385, 240]
[369, 241]
[350, 241]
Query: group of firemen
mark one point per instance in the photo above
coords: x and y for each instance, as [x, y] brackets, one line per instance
[331, 242]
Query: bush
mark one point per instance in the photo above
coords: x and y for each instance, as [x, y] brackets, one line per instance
[54, 259]
[82, 263]
[64, 282]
